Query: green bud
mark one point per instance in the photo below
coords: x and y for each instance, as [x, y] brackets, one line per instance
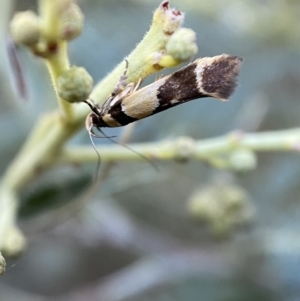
[243, 160]
[182, 44]
[74, 84]
[204, 206]
[222, 207]
[71, 22]
[24, 28]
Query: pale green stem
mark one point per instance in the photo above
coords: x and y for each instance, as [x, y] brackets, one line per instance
[34, 160]
[58, 61]
[286, 140]
[56, 64]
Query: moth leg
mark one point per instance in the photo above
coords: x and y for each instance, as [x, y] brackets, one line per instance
[137, 85]
[122, 83]
[158, 77]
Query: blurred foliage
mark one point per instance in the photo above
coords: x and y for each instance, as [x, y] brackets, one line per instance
[54, 191]
[135, 240]
[222, 207]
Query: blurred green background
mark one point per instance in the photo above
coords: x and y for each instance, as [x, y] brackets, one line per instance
[136, 240]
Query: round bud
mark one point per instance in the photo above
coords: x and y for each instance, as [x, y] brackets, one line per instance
[185, 147]
[203, 204]
[74, 84]
[222, 207]
[24, 28]
[243, 160]
[71, 22]
[182, 44]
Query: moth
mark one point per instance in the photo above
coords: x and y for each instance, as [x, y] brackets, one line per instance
[205, 77]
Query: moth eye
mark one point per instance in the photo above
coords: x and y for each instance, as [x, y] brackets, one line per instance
[95, 118]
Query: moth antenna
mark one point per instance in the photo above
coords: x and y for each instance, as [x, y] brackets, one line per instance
[158, 77]
[90, 131]
[97, 136]
[129, 148]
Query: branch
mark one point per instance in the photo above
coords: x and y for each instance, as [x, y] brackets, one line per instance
[232, 151]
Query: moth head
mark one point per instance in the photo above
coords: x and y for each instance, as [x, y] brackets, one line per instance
[94, 120]
[90, 121]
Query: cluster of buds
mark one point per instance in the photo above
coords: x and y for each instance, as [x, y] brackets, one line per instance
[26, 28]
[59, 21]
[179, 43]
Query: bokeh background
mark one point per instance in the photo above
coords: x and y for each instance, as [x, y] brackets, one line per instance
[136, 239]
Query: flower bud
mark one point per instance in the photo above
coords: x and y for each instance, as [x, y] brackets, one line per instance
[243, 160]
[24, 28]
[222, 207]
[71, 22]
[182, 44]
[74, 84]
[170, 18]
